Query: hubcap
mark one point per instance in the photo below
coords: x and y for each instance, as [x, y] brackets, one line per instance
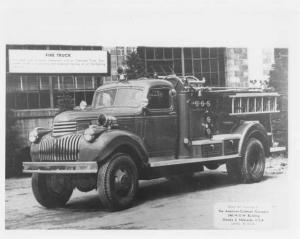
[56, 183]
[122, 182]
[254, 160]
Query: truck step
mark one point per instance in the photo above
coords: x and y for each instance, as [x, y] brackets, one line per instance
[277, 149]
[170, 161]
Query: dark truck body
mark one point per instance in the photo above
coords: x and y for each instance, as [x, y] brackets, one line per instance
[168, 134]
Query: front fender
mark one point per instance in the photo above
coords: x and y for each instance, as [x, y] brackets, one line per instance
[249, 129]
[108, 142]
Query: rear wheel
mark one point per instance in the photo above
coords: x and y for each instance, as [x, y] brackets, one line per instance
[51, 190]
[252, 166]
[117, 182]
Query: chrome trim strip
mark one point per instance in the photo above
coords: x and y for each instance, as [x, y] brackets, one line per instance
[253, 113]
[262, 94]
[60, 167]
[191, 160]
[64, 129]
[63, 123]
[219, 138]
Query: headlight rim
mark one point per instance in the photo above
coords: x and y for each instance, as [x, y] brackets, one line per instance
[93, 131]
[33, 135]
[37, 133]
[85, 135]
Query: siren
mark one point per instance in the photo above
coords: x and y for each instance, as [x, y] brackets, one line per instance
[122, 72]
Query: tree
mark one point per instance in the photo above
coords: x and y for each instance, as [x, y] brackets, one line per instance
[135, 66]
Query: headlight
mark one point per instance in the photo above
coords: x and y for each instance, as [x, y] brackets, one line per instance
[37, 133]
[92, 132]
[89, 134]
[34, 135]
[102, 120]
[107, 121]
[88, 137]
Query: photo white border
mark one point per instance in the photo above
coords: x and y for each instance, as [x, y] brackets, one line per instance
[228, 23]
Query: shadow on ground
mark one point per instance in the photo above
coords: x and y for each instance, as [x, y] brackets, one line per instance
[161, 188]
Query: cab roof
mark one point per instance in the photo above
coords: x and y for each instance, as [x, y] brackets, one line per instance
[141, 82]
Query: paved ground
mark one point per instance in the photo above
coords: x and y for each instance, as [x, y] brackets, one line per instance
[161, 204]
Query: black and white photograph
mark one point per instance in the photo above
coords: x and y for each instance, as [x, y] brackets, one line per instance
[148, 115]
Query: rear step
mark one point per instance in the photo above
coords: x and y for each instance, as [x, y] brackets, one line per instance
[277, 149]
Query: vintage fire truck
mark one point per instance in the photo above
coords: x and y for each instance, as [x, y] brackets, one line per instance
[150, 128]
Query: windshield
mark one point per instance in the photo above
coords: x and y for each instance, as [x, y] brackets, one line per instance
[121, 97]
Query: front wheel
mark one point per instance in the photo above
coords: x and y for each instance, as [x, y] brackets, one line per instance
[51, 190]
[252, 166]
[117, 182]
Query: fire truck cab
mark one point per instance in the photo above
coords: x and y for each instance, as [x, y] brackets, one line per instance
[151, 128]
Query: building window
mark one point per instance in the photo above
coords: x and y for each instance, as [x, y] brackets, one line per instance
[33, 92]
[21, 101]
[150, 53]
[28, 92]
[168, 53]
[159, 53]
[78, 87]
[200, 62]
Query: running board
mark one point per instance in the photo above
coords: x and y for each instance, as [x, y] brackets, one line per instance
[277, 149]
[172, 162]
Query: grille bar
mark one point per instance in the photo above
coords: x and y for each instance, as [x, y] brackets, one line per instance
[65, 127]
[65, 123]
[62, 128]
[65, 148]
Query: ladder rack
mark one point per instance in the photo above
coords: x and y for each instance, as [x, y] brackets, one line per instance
[254, 103]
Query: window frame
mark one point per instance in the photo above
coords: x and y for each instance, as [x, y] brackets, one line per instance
[161, 110]
[117, 89]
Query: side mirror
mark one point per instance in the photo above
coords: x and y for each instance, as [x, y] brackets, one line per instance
[172, 93]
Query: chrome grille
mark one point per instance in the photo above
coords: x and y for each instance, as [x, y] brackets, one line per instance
[65, 148]
[62, 128]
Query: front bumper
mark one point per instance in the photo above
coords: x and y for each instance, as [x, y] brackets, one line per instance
[60, 167]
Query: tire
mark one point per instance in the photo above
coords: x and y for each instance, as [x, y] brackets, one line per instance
[51, 190]
[233, 169]
[117, 182]
[252, 166]
[212, 166]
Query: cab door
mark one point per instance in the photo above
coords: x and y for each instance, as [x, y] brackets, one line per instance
[160, 122]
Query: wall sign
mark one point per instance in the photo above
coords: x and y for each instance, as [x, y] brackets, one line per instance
[58, 61]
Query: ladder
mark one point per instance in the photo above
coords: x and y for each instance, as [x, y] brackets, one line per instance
[254, 103]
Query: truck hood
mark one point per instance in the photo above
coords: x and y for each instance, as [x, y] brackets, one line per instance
[92, 114]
